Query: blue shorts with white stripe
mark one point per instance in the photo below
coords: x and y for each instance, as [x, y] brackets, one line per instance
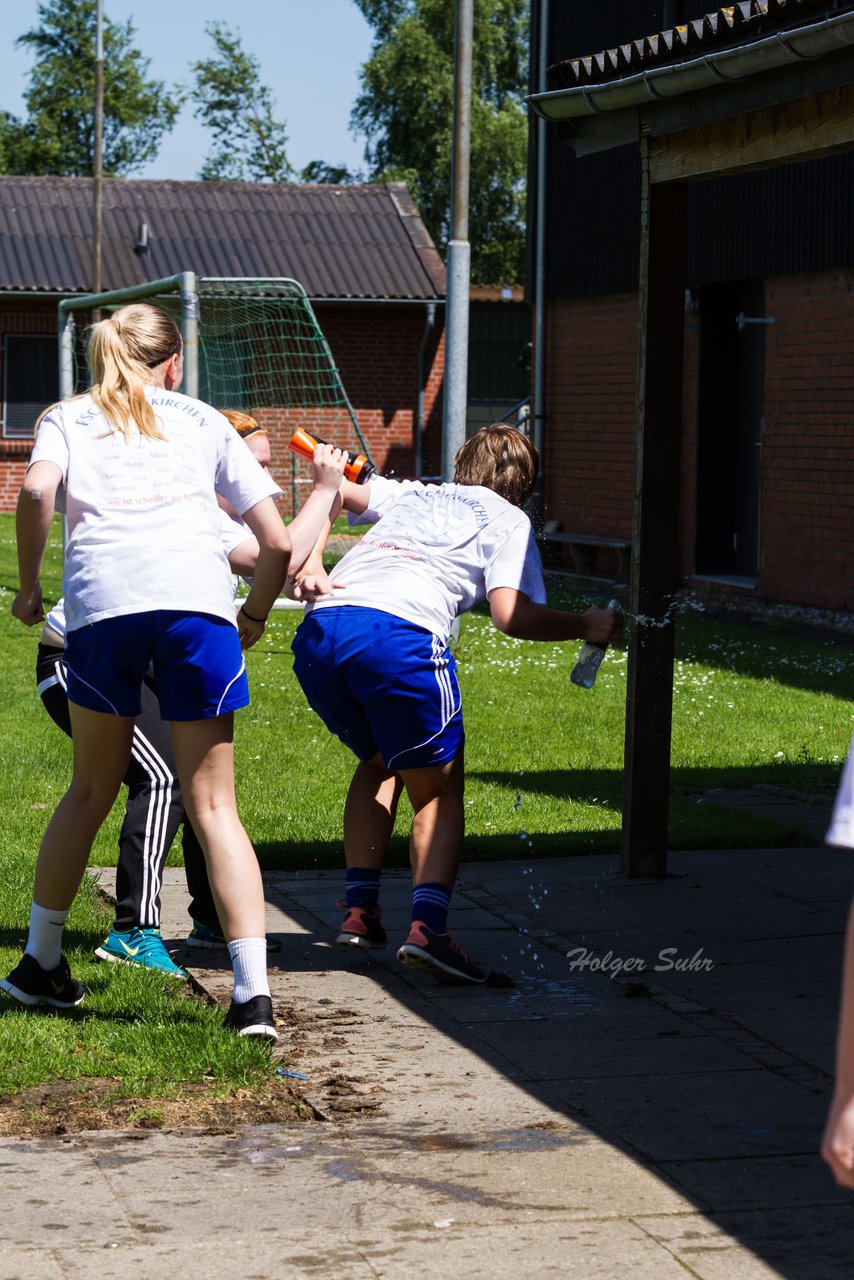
[381, 685]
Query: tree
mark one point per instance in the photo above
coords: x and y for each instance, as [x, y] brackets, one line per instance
[405, 109]
[319, 171]
[230, 100]
[58, 134]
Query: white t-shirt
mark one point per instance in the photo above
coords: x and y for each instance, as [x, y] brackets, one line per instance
[841, 830]
[435, 551]
[144, 528]
[232, 532]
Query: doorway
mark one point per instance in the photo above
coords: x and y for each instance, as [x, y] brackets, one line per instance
[732, 376]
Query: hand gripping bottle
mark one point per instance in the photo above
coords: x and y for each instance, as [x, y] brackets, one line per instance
[358, 468]
[590, 657]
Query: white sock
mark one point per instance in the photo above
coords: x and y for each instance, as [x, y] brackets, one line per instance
[44, 942]
[249, 960]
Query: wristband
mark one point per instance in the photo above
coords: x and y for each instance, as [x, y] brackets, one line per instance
[258, 621]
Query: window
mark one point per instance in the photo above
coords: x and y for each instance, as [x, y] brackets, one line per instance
[30, 381]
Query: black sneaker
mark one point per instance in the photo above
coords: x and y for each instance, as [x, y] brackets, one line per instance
[437, 953]
[30, 984]
[361, 928]
[253, 1018]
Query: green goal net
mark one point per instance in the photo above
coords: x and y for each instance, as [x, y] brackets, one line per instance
[261, 349]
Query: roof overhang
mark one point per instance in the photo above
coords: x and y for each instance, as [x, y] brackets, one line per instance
[781, 67]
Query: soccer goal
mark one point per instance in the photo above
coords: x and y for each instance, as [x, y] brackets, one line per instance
[249, 344]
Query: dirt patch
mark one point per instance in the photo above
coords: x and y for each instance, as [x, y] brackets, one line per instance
[51, 1110]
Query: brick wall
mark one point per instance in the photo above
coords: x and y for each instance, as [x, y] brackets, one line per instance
[807, 506]
[807, 475]
[591, 363]
[376, 351]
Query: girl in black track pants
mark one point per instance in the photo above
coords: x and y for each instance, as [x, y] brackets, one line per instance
[153, 813]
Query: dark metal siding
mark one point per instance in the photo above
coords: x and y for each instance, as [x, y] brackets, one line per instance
[499, 347]
[776, 222]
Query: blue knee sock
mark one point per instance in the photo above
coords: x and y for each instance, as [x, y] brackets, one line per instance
[363, 888]
[430, 904]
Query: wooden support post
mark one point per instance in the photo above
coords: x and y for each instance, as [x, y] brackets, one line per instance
[655, 526]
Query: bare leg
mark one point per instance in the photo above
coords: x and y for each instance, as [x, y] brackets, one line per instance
[435, 845]
[101, 751]
[434, 849]
[369, 813]
[204, 755]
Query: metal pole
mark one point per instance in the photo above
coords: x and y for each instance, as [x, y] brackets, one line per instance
[98, 168]
[459, 249]
[190, 331]
[66, 355]
[539, 397]
[422, 377]
[86, 301]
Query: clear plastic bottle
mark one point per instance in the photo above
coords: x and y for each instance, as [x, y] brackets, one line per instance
[590, 657]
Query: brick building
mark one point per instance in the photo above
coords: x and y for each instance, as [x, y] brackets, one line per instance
[767, 494]
[362, 254]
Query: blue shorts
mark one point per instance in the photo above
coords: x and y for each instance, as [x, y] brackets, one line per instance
[197, 659]
[381, 685]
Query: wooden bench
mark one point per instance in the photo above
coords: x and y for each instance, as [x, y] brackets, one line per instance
[584, 548]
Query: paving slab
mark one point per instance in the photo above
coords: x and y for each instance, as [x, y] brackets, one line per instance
[580, 1123]
[798, 1242]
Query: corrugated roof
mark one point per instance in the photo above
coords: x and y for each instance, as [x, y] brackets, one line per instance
[338, 241]
[733, 24]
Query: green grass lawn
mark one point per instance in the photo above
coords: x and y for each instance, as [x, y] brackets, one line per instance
[544, 758]
[544, 766]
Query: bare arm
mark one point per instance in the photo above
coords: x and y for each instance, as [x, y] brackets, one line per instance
[310, 581]
[243, 558]
[837, 1146]
[309, 529]
[32, 522]
[270, 570]
[516, 615]
[355, 498]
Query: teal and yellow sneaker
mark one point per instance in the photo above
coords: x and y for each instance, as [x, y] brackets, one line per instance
[205, 938]
[142, 947]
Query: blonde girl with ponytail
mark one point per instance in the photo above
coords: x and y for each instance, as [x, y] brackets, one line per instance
[147, 583]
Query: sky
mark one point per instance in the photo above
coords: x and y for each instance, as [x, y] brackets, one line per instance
[310, 54]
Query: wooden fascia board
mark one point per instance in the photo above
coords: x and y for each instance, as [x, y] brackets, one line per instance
[808, 128]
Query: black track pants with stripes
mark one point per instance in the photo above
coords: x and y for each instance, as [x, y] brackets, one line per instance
[153, 812]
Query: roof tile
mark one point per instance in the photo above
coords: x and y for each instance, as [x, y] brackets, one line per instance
[337, 241]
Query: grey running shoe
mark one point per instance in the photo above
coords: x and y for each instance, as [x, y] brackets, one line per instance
[437, 953]
[207, 938]
[361, 928]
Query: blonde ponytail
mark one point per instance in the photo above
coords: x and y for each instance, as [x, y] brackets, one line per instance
[122, 350]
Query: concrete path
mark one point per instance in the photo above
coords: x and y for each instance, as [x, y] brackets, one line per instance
[645, 1101]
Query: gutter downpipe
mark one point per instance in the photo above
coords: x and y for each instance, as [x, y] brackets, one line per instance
[459, 248]
[429, 325]
[539, 397]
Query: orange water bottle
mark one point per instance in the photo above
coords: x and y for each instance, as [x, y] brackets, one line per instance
[358, 468]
